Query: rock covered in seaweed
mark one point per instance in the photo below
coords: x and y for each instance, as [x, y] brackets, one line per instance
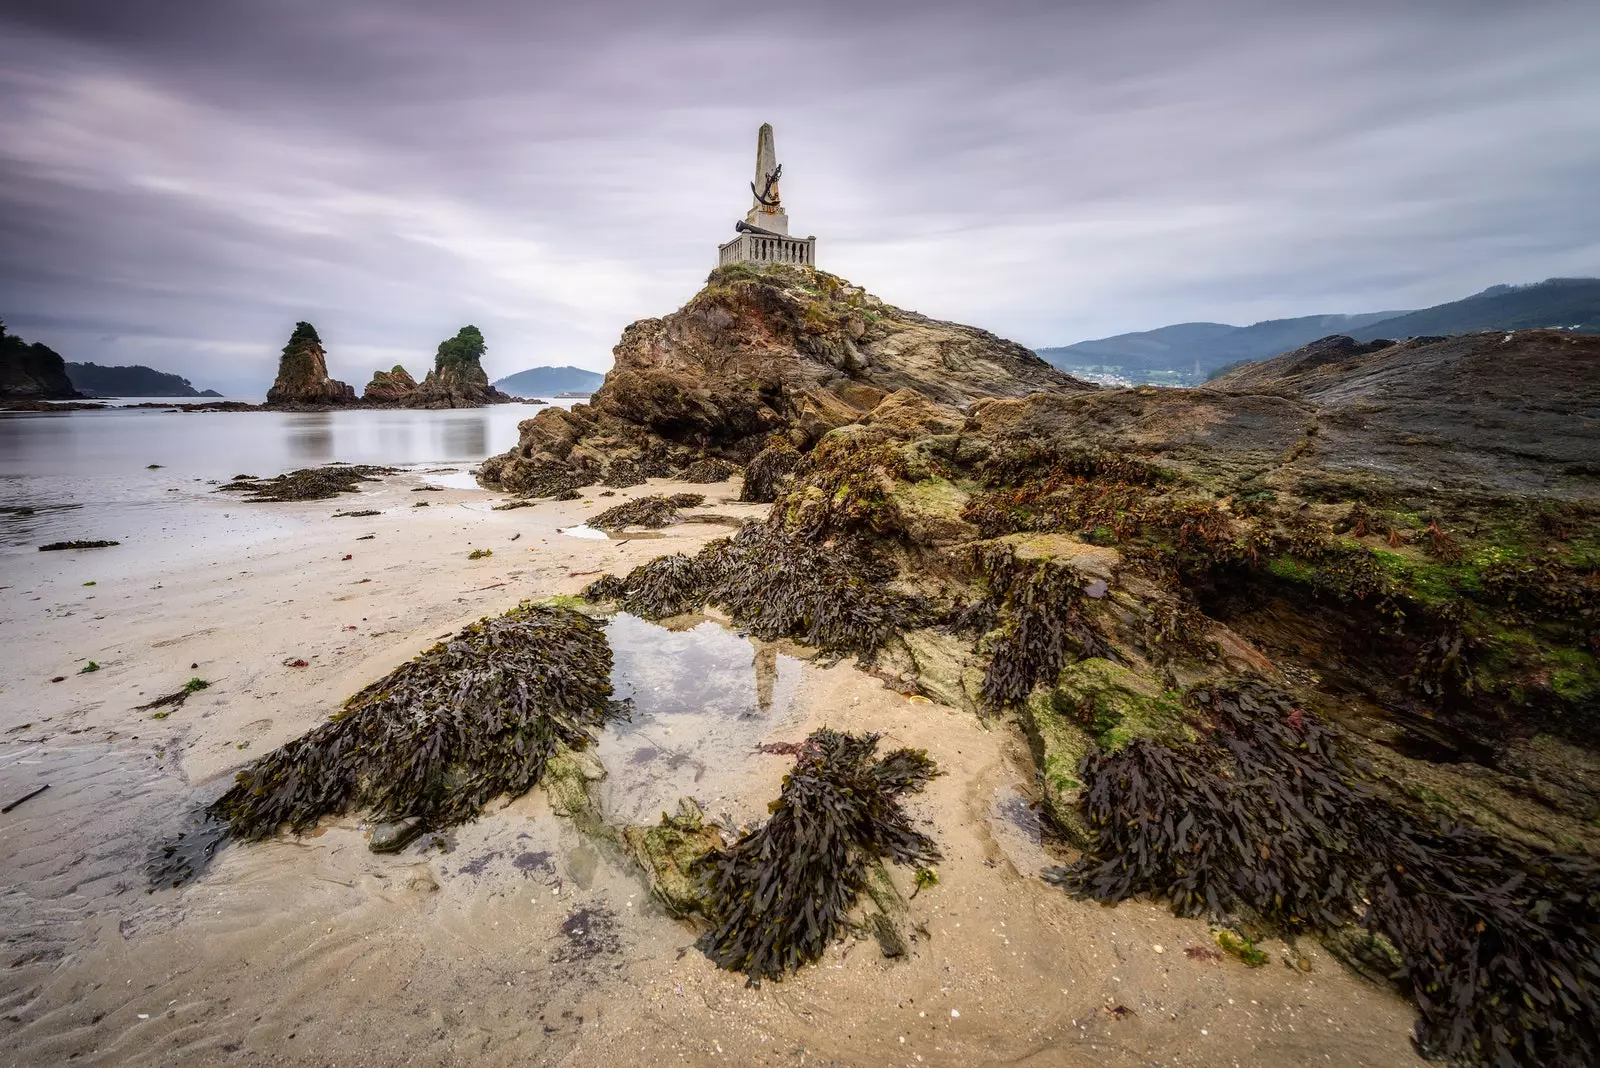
[770, 350]
[303, 374]
[473, 717]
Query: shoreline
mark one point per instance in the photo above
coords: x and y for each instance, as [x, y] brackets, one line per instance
[300, 951]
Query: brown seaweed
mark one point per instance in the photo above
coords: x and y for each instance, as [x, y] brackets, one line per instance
[1270, 818]
[769, 472]
[308, 483]
[782, 892]
[833, 597]
[469, 719]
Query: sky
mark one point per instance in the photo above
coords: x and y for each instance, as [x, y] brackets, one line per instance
[182, 180]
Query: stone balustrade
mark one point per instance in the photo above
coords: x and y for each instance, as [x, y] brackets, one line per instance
[758, 248]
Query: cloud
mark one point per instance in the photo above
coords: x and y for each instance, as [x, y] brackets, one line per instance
[181, 182]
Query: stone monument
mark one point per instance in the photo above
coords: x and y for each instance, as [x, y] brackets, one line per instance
[764, 233]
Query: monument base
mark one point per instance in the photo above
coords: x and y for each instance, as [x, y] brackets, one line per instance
[755, 248]
[776, 221]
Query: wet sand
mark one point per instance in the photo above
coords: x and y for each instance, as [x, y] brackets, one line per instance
[514, 940]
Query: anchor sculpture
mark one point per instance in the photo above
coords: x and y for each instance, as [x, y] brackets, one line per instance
[766, 195]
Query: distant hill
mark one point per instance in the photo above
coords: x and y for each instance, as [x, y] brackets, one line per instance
[132, 381]
[1188, 352]
[32, 372]
[1564, 303]
[1174, 354]
[544, 381]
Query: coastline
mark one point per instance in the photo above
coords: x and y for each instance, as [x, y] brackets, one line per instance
[300, 951]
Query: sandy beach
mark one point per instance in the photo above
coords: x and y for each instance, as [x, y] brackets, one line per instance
[513, 939]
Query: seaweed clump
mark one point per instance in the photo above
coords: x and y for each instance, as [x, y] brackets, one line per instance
[834, 597]
[1269, 817]
[57, 546]
[473, 717]
[769, 472]
[707, 470]
[652, 511]
[308, 483]
[782, 892]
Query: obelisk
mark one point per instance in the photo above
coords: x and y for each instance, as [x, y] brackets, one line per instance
[767, 210]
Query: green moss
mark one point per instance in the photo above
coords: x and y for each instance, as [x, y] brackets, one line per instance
[1575, 675]
[1117, 705]
[1059, 746]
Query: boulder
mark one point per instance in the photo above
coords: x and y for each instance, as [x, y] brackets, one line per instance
[389, 387]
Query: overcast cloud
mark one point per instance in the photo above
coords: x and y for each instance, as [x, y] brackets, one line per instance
[181, 181]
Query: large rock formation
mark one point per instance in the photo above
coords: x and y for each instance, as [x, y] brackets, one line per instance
[761, 351]
[303, 380]
[1314, 651]
[389, 387]
[32, 372]
[457, 379]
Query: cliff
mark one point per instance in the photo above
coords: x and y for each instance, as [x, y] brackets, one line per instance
[303, 374]
[759, 351]
[32, 372]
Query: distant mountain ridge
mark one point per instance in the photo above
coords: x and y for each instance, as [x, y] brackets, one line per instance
[134, 380]
[543, 381]
[1187, 353]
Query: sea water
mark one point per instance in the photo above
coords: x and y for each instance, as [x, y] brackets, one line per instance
[137, 475]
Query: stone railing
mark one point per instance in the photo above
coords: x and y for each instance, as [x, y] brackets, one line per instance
[758, 248]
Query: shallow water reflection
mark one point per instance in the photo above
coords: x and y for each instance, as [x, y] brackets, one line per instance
[703, 698]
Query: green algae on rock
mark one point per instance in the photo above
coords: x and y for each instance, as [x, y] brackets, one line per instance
[471, 718]
[669, 853]
[781, 893]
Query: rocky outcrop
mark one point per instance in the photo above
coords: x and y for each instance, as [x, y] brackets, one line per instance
[32, 372]
[763, 351]
[303, 380]
[457, 379]
[1313, 651]
[389, 387]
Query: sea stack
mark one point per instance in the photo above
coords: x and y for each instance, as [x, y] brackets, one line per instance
[457, 379]
[303, 374]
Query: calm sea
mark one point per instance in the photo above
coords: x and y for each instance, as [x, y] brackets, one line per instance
[88, 475]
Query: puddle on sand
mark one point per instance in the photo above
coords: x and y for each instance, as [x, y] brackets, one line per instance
[75, 854]
[452, 480]
[582, 530]
[703, 699]
[1017, 830]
